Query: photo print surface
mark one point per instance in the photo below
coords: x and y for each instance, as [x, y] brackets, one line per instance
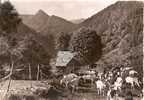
[71, 50]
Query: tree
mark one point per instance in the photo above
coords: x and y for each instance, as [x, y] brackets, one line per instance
[9, 21]
[62, 41]
[87, 44]
[37, 56]
[9, 18]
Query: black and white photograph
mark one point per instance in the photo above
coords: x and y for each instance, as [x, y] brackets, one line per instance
[71, 49]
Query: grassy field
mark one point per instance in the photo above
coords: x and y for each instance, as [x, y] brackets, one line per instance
[74, 97]
[20, 90]
[92, 96]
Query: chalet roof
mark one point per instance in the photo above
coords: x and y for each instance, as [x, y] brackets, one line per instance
[64, 57]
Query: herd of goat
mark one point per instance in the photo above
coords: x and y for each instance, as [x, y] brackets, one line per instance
[117, 79]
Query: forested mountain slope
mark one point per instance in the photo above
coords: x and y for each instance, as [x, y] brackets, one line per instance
[121, 29]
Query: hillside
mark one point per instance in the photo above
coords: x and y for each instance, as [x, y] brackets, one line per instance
[26, 47]
[45, 24]
[120, 27]
[26, 17]
[46, 42]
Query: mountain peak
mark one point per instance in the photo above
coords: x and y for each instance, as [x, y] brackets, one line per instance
[42, 13]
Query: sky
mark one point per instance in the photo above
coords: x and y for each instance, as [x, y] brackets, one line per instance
[68, 9]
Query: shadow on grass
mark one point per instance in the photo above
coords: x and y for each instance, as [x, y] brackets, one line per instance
[23, 97]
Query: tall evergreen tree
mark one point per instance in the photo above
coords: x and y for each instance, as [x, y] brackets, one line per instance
[9, 18]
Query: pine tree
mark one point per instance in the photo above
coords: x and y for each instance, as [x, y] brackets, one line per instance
[9, 18]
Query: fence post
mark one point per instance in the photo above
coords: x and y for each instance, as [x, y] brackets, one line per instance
[38, 73]
[30, 76]
[41, 74]
[11, 71]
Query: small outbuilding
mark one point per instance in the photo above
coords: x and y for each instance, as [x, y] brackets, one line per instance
[66, 62]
